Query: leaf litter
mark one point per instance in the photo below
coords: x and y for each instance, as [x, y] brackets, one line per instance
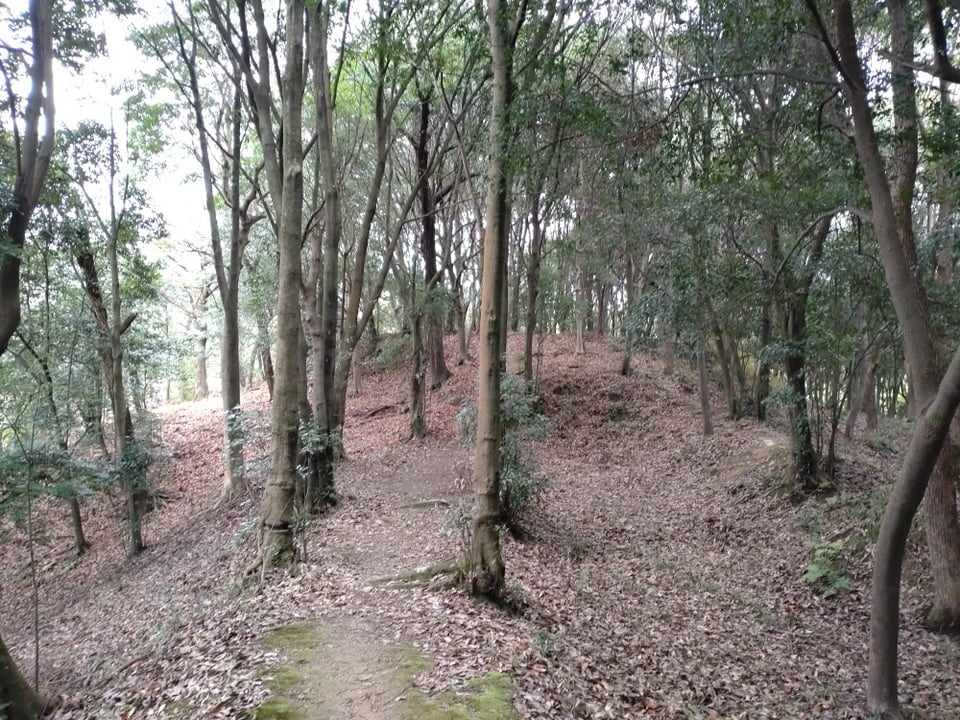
[660, 575]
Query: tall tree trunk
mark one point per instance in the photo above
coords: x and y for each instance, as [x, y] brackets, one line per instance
[485, 563]
[111, 358]
[763, 363]
[601, 326]
[463, 341]
[35, 146]
[870, 396]
[726, 375]
[428, 250]
[286, 179]
[266, 364]
[533, 285]
[513, 305]
[858, 387]
[326, 407]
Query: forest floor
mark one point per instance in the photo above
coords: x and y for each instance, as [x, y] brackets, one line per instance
[661, 575]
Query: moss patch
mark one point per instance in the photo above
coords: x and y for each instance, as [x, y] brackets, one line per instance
[487, 697]
[294, 684]
[339, 673]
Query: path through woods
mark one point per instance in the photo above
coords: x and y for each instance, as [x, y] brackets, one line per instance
[661, 577]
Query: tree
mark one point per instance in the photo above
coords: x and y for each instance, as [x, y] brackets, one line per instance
[486, 570]
[277, 115]
[934, 401]
[428, 248]
[242, 219]
[285, 179]
[34, 149]
[95, 168]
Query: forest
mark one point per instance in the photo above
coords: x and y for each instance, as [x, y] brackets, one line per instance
[479, 360]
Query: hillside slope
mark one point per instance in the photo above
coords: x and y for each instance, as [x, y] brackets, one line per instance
[661, 575]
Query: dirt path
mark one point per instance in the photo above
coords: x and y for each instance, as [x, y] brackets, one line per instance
[329, 673]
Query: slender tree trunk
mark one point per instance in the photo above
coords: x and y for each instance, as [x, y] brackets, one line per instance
[504, 293]
[35, 146]
[485, 562]
[513, 310]
[601, 327]
[726, 376]
[227, 276]
[36, 150]
[805, 462]
[200, 309]
[233, 481]
[266, 364]
[76, 517]
[111, 358]
[533, 285]
[428, 250]
[763, 364]
[327, 406]
[463, 341]
[870, 396]
[858, 387]
[418, 425]
[918, 465]
[704, 387]
[279, 494]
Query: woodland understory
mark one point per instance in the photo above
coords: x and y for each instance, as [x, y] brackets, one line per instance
[661, 574]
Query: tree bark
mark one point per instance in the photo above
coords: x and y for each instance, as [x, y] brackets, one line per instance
[112, 331]
[418, 425]
[428, 249]
[35, 152]
[485, 561]
[286, 180]
[533, 284]
[858, 387]
[763, 364]
[805, 460]
[704, 380]
[326, 269]
[18, 700]
[199, 317]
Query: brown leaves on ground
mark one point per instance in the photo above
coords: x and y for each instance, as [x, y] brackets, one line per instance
[661, 577]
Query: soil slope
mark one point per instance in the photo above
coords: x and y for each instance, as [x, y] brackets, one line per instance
[661, 574]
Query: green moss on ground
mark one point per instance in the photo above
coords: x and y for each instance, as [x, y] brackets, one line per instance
[488, 697]
[304, 688]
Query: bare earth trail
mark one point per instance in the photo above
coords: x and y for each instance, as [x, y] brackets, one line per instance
[660, 577]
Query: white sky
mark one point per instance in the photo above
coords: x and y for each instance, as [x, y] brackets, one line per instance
[178, 192]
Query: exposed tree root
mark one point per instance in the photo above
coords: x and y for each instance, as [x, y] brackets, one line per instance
[426, 503]
[439, 576]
